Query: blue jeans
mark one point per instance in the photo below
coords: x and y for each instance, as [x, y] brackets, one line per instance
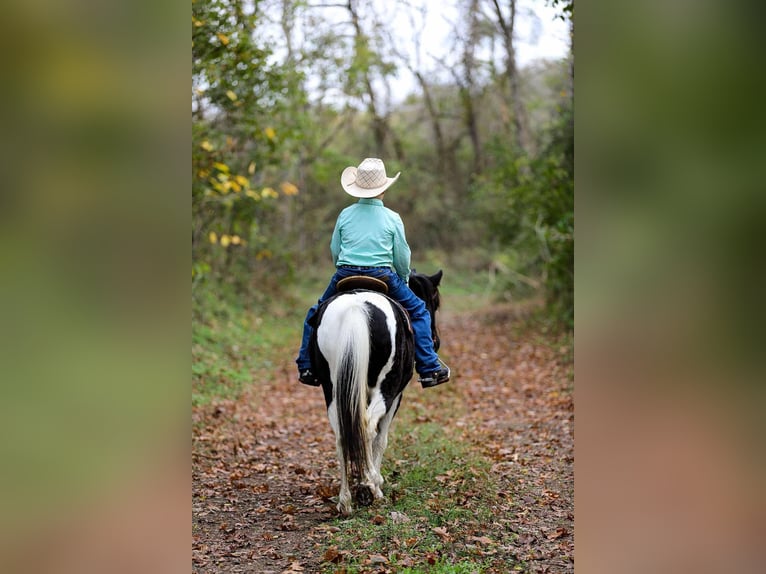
[426, 360]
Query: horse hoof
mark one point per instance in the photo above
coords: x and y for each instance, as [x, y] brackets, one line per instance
[364, 495]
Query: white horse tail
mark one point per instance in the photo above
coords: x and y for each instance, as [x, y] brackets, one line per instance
[350, 388]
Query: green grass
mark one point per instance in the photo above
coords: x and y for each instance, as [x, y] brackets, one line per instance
[461, 291]
[439, 497]
[234, 339]
[443, 567]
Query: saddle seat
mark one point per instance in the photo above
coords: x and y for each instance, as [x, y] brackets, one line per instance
[363, 282]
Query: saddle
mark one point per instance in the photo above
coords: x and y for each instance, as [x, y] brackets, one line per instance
[373, 284]
[363, 282]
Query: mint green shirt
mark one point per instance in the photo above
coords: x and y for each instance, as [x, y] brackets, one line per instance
[369, 234]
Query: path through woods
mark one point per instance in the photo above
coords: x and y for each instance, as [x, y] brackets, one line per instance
[264, 468]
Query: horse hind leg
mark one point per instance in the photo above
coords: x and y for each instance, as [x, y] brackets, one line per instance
[344, 498]
[381, 440]
[376, 415]
[367, 489]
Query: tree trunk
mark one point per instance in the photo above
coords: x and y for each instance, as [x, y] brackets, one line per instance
[436, 127]
[468, 89]
[379, 124]
[507, 26]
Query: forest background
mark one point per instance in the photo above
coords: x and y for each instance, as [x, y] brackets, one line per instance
[287, 93]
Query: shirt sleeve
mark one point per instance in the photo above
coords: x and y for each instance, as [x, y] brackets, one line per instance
[335, 242]
[401, 250]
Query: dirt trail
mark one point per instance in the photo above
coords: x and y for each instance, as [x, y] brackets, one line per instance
[264, 467]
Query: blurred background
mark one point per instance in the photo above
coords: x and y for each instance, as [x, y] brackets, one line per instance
[470, 100]
[95, 256]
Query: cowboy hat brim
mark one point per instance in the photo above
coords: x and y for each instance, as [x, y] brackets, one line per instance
[348, 181]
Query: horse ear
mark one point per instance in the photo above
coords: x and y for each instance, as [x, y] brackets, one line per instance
[436, 278]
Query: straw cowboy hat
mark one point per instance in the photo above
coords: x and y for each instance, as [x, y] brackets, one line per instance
[367, 180]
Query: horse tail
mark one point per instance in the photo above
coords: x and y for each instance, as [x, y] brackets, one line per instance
[353, 342]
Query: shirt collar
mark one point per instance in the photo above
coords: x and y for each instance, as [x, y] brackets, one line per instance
[371, 201]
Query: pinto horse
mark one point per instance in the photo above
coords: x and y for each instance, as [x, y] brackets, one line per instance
[362, 351]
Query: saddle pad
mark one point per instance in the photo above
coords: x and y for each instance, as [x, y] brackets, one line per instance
[362, 282]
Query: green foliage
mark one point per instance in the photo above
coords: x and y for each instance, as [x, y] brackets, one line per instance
[566, 8]
[242, 103]
[528, 203]
[274, 124]
[233, 339]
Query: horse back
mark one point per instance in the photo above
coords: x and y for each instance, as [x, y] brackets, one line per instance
[392, 355]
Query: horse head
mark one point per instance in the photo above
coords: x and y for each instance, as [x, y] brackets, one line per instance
[426, 287]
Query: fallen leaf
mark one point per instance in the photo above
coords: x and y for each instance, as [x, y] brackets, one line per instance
[399, 517]
[558, 533]
[378, 559]
[327, 491]
[482, 540]
[332, 555]
[378, 519]
[442, 533]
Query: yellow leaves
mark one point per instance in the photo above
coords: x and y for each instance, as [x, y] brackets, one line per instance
[267, 192]
[207, 146]
[270, 133]
[222, 182]
[220, 187]
[231, 95]
[288, 188]
[225, 240]
[223, 38]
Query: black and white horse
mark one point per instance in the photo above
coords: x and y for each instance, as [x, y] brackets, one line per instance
[362, 351]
